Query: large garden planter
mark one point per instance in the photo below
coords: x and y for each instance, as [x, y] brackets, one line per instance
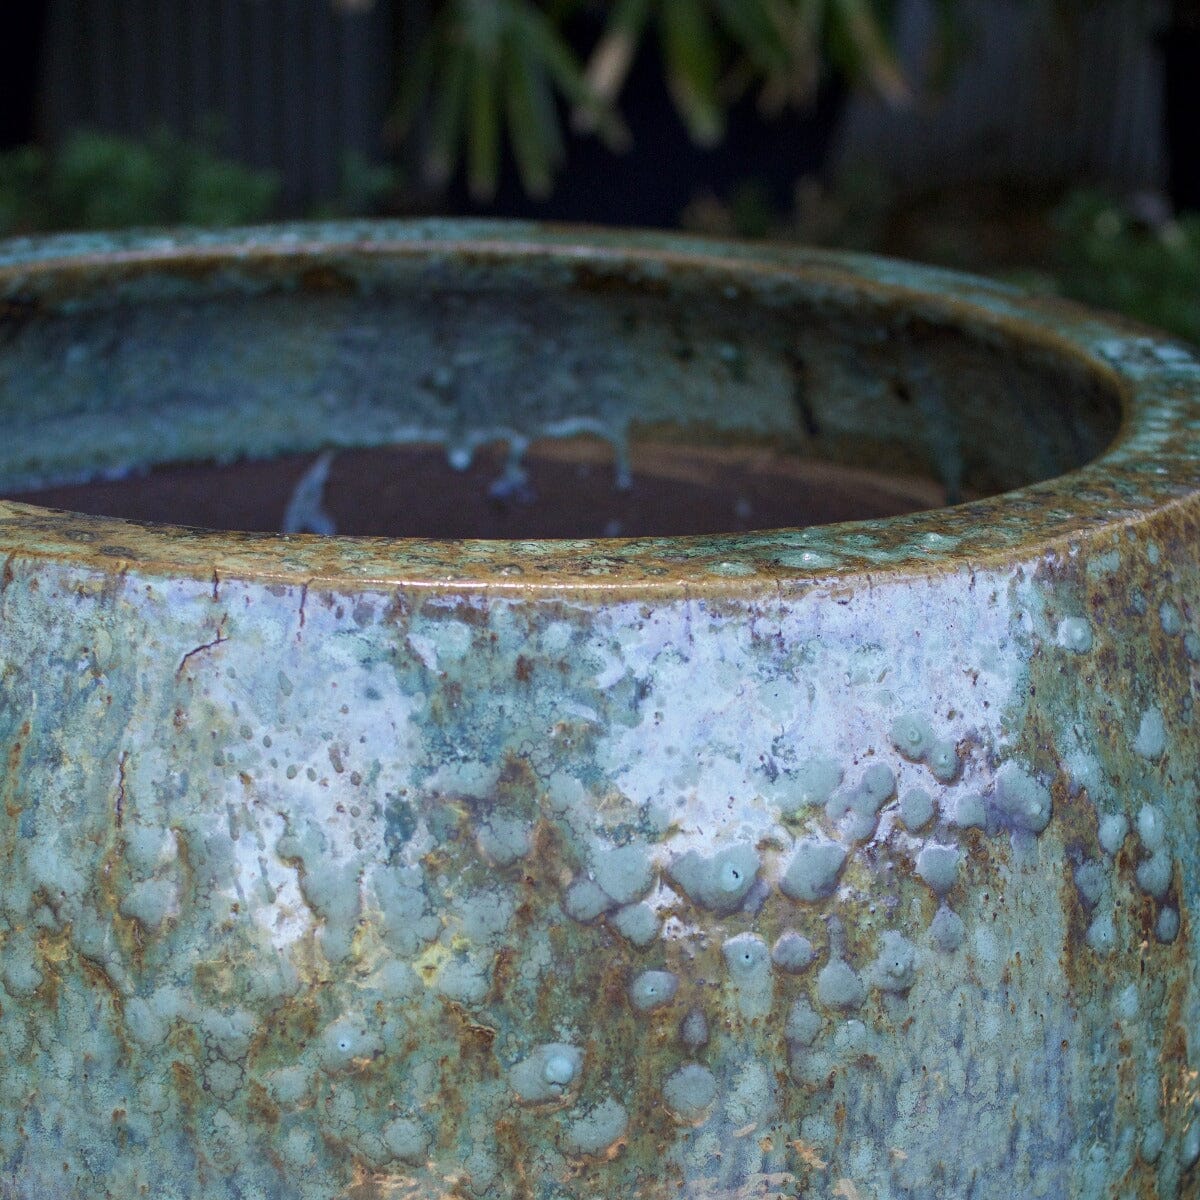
[852, 861]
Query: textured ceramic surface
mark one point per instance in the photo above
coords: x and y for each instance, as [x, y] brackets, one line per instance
[845, 862]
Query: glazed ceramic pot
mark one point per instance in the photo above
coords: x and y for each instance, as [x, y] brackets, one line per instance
[842, 861]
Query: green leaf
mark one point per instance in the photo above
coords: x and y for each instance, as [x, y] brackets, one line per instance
[100, 181]
[869, 50]
[216, 191]
[693, 68]
[482, 23]
[23, 205]
[446, 122]
[804, 24]
[532, 121]
[563, 68]
[610, 61]
[751, 25]
[628, 16]
[483, 129]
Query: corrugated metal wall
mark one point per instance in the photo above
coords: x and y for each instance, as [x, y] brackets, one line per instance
[288, 84]
[1043, 92]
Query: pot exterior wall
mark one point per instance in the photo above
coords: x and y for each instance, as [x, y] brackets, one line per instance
[876, 888]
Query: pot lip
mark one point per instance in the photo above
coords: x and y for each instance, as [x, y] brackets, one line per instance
[1152, 465]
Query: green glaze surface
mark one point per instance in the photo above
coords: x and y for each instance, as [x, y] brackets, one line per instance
[845, 862]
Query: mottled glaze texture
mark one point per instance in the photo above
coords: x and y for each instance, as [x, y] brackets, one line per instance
[846, 862]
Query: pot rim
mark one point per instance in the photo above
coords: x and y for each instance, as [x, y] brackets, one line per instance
[1152, 464]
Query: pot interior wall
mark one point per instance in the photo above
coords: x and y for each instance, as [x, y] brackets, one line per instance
[509, 398]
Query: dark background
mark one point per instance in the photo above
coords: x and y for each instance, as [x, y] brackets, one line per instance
[1048, 141]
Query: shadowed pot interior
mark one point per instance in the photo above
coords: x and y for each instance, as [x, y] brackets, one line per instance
[590, 398]
[757, 757]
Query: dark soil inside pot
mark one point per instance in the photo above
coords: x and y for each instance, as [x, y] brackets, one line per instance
[569, 489]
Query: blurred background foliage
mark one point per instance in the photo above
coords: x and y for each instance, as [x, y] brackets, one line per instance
[1128, 254]
[490, 69]
[542, 107]
[101, 181]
